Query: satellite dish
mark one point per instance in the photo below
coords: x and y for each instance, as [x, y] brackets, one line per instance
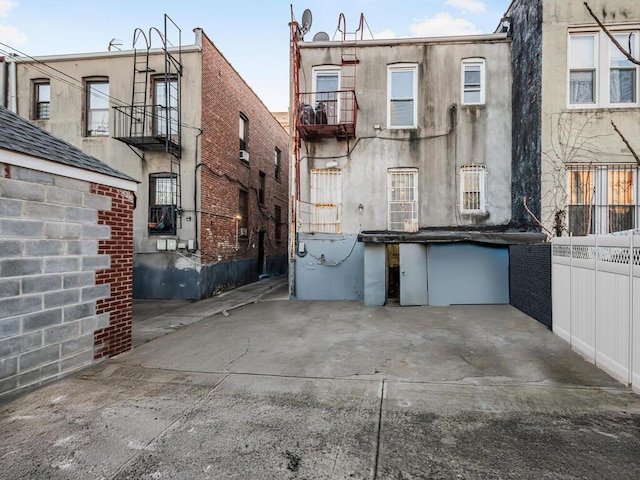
[321, 37]
[306, 22]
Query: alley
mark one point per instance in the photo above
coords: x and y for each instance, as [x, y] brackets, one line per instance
[332, 390]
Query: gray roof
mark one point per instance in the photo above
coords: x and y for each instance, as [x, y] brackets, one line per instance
[19, 135]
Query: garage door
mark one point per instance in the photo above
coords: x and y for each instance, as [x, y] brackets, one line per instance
[467, 274]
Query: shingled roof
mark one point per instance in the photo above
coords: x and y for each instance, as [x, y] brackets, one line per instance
[19, 135]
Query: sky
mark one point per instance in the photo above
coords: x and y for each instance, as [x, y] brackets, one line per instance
[253, 35]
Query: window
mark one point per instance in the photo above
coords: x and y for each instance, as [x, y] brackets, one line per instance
[244, 131]
[326, 85]
[261, 188]
[602, 199]
[42, 97]
[276, 172]
[277, 216]
[166, 119]
[326, 200]
[243, 213]
[163, 201]
[473, 90]
[97, 108]
[599, 74]
[402, 87]
[472, 189]
[623, 73]
[403, 199]
[582, 65]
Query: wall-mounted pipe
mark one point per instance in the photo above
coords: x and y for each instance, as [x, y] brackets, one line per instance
[13, 79]
[3, 85]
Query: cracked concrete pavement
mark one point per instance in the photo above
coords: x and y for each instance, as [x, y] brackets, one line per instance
[332, 390]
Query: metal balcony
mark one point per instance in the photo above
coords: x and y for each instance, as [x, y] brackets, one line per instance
[150, 127]
[327, 115]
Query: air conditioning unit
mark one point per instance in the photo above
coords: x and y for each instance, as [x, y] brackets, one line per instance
[244, 155]
[243, 232]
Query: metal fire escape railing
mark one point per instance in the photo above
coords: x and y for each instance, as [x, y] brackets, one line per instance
[152, 122]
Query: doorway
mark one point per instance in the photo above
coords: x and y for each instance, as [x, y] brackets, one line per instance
[393, 274]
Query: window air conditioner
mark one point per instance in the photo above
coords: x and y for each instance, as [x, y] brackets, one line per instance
[243, 231]
[244, 155]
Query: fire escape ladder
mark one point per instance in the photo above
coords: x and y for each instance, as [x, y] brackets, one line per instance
[139, 116]
[349, 64]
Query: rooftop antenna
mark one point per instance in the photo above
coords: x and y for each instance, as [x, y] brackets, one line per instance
[305, 24]
[115, 43]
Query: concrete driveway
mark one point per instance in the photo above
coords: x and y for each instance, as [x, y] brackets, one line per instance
[332, 390]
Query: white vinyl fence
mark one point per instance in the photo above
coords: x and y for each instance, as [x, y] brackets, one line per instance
[596, 301]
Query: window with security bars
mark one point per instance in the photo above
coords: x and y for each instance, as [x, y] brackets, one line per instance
[602, 199]
[163, 203]
[403, 199]
[326, 200]
[472, 189]
[42, 100]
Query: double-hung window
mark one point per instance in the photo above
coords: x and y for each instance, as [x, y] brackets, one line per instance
[326, 85]
[600, 75]
[602, 199]
[243, 132]
[473, 81]
[166, 107]
[623, 74]
[42, 100]
[97, 108]
[582, 69]
[472, 189]
[163, 203]
[402, 96]
[278, 158]
[326, 200]
[402, 185]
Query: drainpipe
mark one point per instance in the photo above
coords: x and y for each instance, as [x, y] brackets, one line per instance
[3, 86]
[13, 104]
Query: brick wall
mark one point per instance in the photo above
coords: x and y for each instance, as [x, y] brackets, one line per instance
[53, 250]
[225, 96]
[116, 338]
[530, 280]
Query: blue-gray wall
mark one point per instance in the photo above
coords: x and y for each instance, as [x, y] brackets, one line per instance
[375, 274]
[340, 276]
[157, 275]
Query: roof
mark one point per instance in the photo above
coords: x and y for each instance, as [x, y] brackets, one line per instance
[21, 136]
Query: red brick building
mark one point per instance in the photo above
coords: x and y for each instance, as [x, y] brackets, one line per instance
[211, 209]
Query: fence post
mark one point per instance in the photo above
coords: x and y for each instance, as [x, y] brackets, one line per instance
[631, 302]
[571, 290]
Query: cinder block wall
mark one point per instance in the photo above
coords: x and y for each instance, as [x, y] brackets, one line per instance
[530, 280]
[52, 254]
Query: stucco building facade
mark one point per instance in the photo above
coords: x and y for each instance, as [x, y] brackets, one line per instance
[403, 170]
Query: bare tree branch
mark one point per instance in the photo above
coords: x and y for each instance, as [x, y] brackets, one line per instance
[626, 53]
[526, 207]
[626, 142]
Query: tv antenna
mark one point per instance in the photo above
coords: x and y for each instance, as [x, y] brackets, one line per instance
[305, 24]
[115, 43]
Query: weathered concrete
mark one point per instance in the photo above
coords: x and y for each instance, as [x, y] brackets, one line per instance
[283, 390]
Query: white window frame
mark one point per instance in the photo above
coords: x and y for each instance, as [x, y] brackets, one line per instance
[473, 175]
[94, 113]
[326, 200]
[318, 71]
[402, 67]
[602, 68]
[411, 206]
[464, 88]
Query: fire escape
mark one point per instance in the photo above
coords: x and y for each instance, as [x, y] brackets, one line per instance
[332, 113]
[152, 122]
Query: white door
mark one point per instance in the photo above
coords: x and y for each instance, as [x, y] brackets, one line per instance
[413, 274]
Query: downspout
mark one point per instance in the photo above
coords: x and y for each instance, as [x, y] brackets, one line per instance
[13, 104]
[3, 86]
